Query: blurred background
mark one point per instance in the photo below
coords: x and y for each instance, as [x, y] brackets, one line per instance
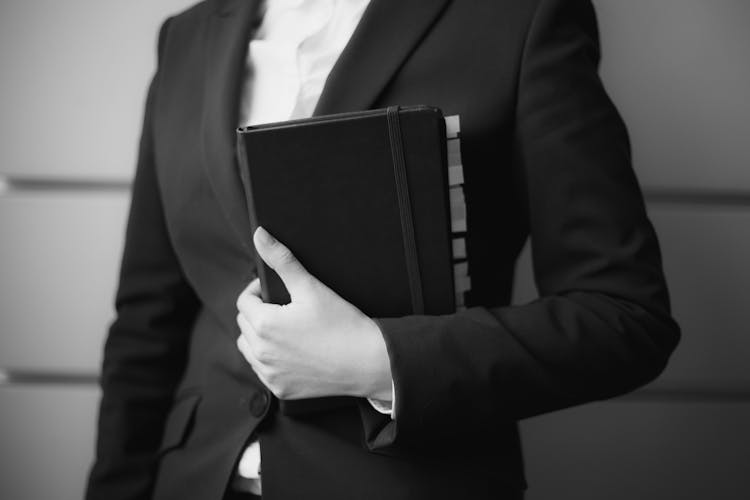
[74, 76]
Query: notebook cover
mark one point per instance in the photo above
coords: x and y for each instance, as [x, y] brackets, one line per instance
[325, 187]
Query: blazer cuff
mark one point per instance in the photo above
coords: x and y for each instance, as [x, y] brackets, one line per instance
[385, 407]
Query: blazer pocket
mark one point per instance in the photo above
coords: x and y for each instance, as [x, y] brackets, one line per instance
[179, 421]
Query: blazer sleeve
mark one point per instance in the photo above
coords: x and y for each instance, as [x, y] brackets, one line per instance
[145, 352]
[602, 325]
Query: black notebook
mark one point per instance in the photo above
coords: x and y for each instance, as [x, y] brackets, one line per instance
[362, 200]
[370, 202]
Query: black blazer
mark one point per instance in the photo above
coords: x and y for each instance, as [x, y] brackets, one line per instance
[545, 154]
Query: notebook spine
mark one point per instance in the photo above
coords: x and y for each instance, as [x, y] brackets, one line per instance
[242, 160]
[405, 210]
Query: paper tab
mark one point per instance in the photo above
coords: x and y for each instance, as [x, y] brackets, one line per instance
[456, 196]
[452, 126]
[460, 299]
[458, 209]
[463, 284]
[455, 175]
[460, 269]
[459, 248]
[454, 152]
[458, 225]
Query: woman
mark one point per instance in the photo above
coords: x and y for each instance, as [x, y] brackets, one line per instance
[194, 362]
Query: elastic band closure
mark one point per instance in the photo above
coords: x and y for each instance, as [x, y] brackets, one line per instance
[404, 203]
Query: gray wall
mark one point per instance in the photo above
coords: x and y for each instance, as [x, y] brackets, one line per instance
[74, 74]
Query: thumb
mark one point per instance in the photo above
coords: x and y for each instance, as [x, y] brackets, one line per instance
[280, 259]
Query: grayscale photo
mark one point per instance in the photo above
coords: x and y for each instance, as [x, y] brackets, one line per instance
[374, 250]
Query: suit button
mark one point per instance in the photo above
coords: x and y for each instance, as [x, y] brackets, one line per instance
[259, 403]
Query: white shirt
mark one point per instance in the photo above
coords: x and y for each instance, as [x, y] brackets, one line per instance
[291, 55]
[288, 62]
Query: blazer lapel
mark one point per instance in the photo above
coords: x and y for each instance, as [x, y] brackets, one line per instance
[388, 32]
[227, 38]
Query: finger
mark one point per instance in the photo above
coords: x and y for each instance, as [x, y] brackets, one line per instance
[260, 317]
[246, 329]
[254, 288]
[251, 304]
[280, 259]
[247, 352]
[245, 349]
[250, 340]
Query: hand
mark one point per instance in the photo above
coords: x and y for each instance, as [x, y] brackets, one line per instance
[318, 344]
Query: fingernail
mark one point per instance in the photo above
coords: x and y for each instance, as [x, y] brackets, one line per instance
[264, 236]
